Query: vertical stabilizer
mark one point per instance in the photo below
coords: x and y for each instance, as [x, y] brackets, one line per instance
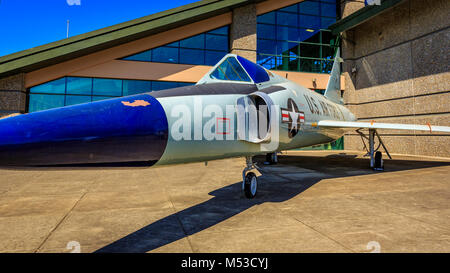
[333, 91]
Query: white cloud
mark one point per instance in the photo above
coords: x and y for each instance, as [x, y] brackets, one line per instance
[74, 2]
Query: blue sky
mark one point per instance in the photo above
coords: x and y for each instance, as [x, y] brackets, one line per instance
[28, 23]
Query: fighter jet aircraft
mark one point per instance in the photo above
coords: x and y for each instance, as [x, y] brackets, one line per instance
[238, 109]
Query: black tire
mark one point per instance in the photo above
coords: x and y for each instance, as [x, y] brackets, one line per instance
[250, 185]
[378, 160]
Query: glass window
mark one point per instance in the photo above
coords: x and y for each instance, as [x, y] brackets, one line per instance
[326, 22]
[294, 64]
[79, 86]
[268, 62]
[174, 44]
[220, 31]
[200, 46]
[72, 100]
[309, 21]
[288, 63]
[312, 51]
[181, 84]
[108, 87]
[143, 56]
[97, 98]
[287, 19]
[53, 87]
[213, 57]
[192, 56]
[309, 7]
[327, 66]
[292, 8]
[39, 102]
[156, 85]
[287, 33]
[237, 68]
[266, 31]
[267, 46]
[79, 91]
[132, 87]
[328, 38]
[328, 52]
[296, 38]
[219, 74]
[230, 70]
[310, 36]
[256, 72]
[194, 42]
[310, 65]
[287, 49]
[268, 18]
[328, 10]
[165, 55]
[320, 91]
[216, 42]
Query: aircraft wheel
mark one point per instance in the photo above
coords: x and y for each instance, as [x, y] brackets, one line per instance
[379, 161]
[250, 185]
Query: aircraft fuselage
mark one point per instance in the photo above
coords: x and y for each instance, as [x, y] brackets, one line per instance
[226, 143]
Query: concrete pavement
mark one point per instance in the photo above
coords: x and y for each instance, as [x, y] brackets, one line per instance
[313, 201]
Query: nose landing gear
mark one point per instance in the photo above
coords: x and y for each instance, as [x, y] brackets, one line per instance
[250, 185]
[249, 179]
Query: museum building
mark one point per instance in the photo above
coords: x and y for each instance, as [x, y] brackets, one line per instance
[396, 65]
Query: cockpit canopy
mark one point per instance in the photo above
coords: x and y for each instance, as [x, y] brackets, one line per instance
[237, 69]
[230, 70]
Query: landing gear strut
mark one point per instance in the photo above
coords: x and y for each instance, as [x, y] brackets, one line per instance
[376, 160]
[271, 158]
[249, 179]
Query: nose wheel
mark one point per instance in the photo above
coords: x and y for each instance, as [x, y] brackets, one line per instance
[250, 181]
[250, 185]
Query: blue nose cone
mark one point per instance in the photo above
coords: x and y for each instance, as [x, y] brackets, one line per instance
[127, 129]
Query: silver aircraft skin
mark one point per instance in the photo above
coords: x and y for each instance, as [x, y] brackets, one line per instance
[238, 109]
[290, 100]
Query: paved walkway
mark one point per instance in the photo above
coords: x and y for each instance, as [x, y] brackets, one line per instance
[311, 202]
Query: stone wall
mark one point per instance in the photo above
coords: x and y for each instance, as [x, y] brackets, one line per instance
[401, 65]
[243, 32]
[350, 6]
[12, 95]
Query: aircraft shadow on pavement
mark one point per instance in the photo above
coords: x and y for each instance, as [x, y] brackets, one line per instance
[229, 201]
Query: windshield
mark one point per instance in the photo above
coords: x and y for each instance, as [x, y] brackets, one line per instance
[256, 72]
[230, 70]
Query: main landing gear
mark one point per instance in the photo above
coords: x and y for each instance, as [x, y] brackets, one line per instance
[249, 179]
[376, 160]
[271, 158]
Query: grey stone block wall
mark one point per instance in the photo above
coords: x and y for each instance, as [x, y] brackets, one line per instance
[402, 74]
[243, 32]
[12, 95]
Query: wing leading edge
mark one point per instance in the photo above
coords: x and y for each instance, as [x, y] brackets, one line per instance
[378, 125]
